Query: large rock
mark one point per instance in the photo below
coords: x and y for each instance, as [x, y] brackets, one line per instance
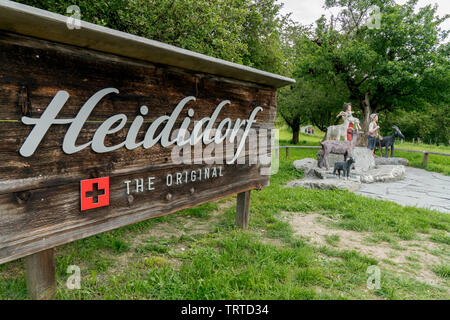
[307, 165]
[384, 173]
[323, 173]
[363, 159]
[391, 161]
[327, 184]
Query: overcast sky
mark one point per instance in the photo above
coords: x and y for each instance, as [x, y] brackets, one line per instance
[308, 11]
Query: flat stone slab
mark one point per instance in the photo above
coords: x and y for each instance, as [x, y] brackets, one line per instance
[380, 174]
[325, 184]
[391, 161]
[419, 188]
[386, 173]
[323, 173]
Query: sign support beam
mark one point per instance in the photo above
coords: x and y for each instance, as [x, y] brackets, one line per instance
[243, 209]
[41, 275]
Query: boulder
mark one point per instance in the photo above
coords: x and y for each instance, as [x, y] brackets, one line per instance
[385, 173]
[325, 184]
[391, 161]
[363, 159]
[307, 165]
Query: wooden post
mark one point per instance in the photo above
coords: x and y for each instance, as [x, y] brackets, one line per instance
[425, 159]
[41, 275]
[287, 152]
[243, 209]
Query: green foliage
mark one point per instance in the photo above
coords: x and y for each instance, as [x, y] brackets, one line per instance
[403, 65]
[263, 36]
[241, 31]
[314, 101]
[431, 125]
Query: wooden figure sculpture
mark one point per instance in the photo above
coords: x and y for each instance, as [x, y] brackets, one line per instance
[338, 131]
[388, 142]
[337, 147]
[345, 167]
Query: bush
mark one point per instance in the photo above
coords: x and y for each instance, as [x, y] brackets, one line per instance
[431, 125]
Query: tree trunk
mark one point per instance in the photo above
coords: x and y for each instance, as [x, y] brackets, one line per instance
[295, 132]
[367, 111]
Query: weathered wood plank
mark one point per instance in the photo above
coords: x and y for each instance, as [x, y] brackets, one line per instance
[40, 194]
[41, 276]
[243, 209]
[44, 218]
[41, 68]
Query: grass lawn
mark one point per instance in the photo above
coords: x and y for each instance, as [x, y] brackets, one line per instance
[301, 244]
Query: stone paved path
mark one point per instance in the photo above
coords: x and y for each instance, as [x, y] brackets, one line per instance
[420, 188]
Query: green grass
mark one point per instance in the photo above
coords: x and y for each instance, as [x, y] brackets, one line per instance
[442, 270]
[424, 147]
[285, 137]
[378, 237]
[333, 239]
[440, 237]
[266, 262]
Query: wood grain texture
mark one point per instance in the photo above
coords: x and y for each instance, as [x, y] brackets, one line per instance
[40, 195]
[51, 216]
[41, 276]
[42, 68]
[243, 209]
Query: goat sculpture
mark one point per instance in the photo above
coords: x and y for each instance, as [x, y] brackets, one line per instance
[337, 147]
[389, 141]
[339, 131]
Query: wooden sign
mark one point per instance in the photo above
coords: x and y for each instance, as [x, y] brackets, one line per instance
[93, 122]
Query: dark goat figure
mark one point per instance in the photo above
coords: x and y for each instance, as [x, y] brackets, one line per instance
[343, 166]
[389, 141]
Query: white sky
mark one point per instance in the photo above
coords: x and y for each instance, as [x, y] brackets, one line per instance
[308, 11]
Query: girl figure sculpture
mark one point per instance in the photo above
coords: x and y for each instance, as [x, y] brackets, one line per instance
[345, 110]
[373, 133]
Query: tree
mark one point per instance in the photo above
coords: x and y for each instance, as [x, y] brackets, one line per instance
[240, 31]
[289, 107]
[292, 99]
[263, 31]
[431, 124]
[315, 98]
[212, 27]
[314, 101]
[401, 65]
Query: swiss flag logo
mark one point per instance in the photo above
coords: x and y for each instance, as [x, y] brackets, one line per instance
[94, 193]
